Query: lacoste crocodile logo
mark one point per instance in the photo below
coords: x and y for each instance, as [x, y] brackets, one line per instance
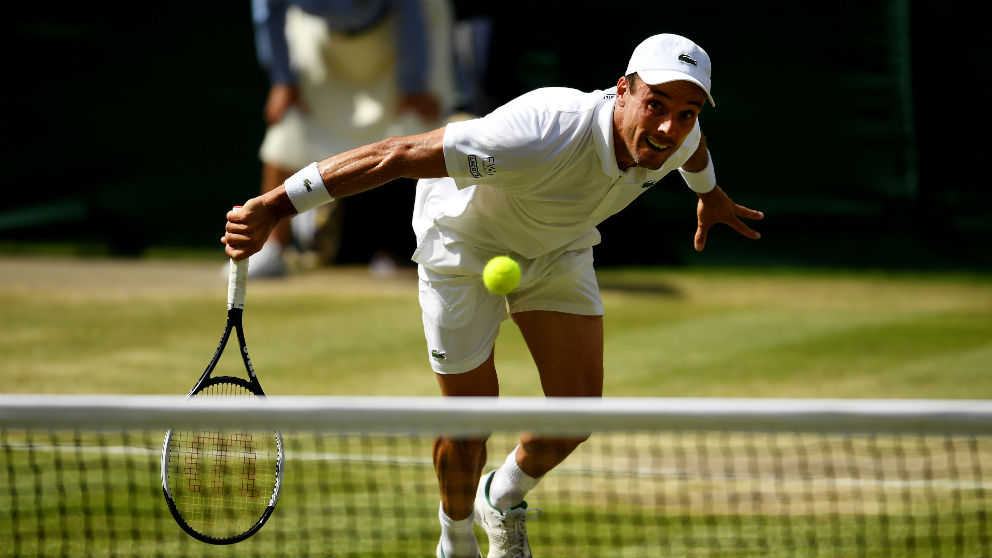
[687, 59]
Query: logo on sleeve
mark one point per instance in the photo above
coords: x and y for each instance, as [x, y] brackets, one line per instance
[488, 166]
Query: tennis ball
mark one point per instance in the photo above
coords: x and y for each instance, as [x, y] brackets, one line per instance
[501, 275]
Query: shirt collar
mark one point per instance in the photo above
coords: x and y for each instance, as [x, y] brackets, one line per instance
[604, 134]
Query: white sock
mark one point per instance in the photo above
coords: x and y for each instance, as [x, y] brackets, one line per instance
[510, 484]
[457, 536]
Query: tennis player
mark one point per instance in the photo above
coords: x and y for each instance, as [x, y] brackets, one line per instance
[531, 180]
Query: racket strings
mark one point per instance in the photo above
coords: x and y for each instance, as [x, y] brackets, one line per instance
[223, 480]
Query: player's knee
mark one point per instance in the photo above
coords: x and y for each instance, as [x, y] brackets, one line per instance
[554, 446]
[462, 449]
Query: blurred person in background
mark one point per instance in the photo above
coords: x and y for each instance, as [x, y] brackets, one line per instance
[343, 73]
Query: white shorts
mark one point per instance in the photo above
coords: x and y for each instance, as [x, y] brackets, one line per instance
[462, 318]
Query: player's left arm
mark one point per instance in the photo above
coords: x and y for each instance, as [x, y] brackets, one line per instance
[714, 205]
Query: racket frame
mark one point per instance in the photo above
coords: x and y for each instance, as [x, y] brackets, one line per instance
[235, 312]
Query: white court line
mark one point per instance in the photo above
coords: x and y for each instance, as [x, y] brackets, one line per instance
[641, 472]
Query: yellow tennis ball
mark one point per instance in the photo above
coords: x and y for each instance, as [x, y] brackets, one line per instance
[501, 275]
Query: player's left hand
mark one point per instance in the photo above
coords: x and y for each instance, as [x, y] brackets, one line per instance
[248, 228]
[716, 207]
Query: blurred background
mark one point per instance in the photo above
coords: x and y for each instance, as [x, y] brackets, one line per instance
[859, 130]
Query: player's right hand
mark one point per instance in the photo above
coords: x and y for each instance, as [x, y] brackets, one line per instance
[247, 229]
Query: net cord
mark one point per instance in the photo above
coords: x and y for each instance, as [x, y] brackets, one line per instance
[476, 415]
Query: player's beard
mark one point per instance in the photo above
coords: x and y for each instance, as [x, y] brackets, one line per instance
[649, 157]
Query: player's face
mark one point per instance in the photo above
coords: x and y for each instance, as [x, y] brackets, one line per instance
[651, 121]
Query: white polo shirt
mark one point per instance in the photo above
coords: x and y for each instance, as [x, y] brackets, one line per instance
[533, 177]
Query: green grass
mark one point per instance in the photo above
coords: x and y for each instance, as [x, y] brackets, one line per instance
[801, 335]
[149, 326]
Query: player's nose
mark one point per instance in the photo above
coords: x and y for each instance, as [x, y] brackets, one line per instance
[665, 124]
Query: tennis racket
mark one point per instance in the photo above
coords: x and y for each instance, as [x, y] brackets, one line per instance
[221, 486]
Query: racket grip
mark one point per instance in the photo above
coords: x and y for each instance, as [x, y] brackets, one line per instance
[236, 284]
[237, 281]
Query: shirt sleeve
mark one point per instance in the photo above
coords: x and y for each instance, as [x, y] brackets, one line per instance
[508, 148]
[269, 19]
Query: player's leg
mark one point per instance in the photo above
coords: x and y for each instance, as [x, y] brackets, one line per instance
[559, 311]
[458, 463]
[568, 351]
[461, 322]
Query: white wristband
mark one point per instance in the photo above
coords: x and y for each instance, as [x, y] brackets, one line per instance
[703, 181]
[306, 189]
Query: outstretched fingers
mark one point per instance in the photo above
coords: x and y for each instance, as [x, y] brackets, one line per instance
[740, 227]
[700, 240]
[749, 213]
[716, 207]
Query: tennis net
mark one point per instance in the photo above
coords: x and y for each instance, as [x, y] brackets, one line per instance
[658, 477]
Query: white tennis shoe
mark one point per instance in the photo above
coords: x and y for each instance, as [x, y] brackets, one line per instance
[507, 530]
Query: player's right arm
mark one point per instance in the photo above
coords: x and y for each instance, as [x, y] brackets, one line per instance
[345, 174]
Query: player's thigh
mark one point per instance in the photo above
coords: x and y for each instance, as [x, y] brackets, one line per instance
[480, 381]
[461, 321]
[568, 351]
[560, 314]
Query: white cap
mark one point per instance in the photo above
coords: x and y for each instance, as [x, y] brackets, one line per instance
[664, 58]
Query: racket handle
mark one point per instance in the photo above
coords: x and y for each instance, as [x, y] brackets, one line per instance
[237, 282]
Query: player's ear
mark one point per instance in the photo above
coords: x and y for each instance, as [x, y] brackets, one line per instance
[622, 88]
